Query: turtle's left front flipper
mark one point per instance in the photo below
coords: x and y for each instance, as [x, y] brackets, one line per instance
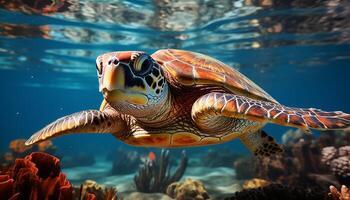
[89, 121]
[230, 105]
[222, 111]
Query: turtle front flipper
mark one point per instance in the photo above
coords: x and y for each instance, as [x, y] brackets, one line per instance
[89, 121]
[215, 111]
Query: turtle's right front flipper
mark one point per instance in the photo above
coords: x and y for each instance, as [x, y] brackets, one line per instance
[89, 121]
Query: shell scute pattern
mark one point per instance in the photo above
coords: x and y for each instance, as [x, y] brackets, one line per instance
[192, 68]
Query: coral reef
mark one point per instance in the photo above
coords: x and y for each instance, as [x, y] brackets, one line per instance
[278, 192]
[17, 149]
[90, 190]
[219, 158]
[126, 162]
[255, 183]
[344, 193]
[91, 187]
[18, 146]
[81, 159]
[302, 162]
[338, 161]
[6, 188]
[37, 176]
[189, 189]
[154, 175]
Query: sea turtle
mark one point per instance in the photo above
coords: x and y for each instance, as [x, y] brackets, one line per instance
[177, 98]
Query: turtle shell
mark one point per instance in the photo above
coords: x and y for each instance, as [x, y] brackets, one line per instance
[190, 68]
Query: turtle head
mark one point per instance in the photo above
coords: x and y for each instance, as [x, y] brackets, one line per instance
[131, 81]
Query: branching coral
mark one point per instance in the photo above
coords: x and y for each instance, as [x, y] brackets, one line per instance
[154, 175]
[37, 176]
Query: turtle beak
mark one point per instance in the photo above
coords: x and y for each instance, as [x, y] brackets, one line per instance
[114, 89]
[113, 78]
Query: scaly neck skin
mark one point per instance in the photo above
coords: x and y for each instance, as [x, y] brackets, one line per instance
[158, 114]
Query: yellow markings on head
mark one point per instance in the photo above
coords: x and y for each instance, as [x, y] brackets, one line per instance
[136, 89]
[138, 99]
[117, 95]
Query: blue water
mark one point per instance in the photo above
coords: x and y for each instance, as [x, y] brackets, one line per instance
[299, 52]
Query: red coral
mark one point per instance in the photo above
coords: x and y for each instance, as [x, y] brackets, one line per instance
[37, 176]
[89, 196]
[7, 188]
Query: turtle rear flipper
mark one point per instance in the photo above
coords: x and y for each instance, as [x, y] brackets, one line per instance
[89, 121]
[260, 143]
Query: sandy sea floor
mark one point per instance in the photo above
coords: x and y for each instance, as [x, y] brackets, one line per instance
[219, 182]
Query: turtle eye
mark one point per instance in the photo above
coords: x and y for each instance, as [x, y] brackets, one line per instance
[143, 64]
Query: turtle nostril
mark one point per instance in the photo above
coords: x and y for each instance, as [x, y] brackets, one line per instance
[114, 61]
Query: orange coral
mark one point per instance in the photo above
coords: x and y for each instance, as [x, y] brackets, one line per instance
[255, 183]
[37, 176]
[45, 145]
[18, 146]
[344, 193]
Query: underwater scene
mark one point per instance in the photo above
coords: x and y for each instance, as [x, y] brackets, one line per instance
[174, 99]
